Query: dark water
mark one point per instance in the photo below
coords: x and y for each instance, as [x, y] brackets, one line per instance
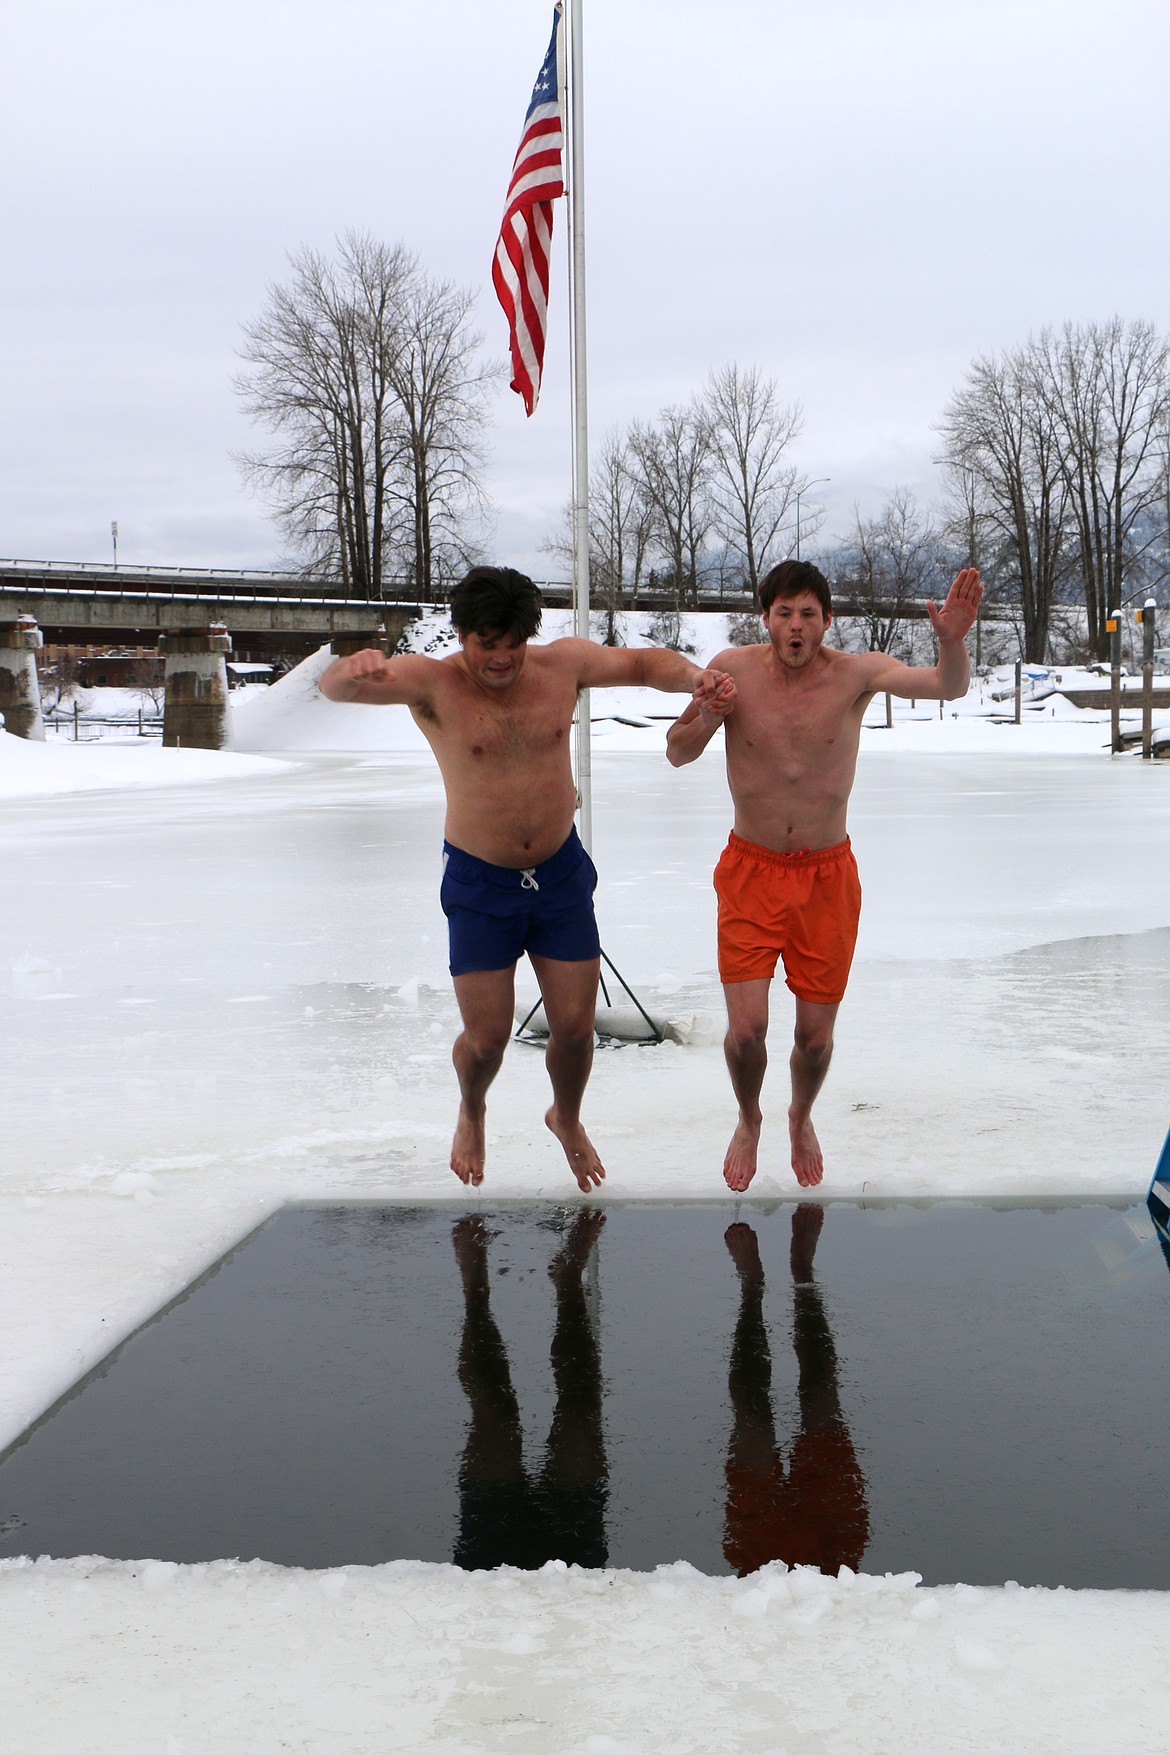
[971, 1393]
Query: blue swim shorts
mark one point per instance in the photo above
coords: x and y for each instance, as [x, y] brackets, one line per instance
[495, 914]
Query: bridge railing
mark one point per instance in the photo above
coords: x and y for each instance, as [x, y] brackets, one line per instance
[123, 571]
[100, 578]
[210, 600]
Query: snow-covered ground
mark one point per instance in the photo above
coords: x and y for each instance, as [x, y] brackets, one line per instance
[225, 993]
[36, 770]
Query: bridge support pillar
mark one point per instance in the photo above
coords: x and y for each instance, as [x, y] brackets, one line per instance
[345, 645]
[20, 692]
[394, 625]
[195, 708]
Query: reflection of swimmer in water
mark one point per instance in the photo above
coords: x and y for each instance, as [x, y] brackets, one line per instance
[814, 1513]
[508, 1517]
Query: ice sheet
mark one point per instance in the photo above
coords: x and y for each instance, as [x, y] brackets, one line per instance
[216, 998]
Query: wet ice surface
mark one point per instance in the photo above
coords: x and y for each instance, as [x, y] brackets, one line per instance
[254, 974]
[634, 1386]
[219, 999]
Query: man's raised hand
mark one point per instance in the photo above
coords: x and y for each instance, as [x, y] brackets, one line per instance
[953, 620]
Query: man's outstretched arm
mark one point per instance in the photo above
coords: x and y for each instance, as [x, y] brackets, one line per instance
[645, 667]
[373, 680]
[949, 679]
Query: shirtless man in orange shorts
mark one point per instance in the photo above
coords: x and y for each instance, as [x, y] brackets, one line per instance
[787, 881]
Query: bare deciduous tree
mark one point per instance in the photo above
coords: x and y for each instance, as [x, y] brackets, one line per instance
[439, 383]
[365, 371]
[897, 561]
[750, 485]
[1108, 388]
[619, 535]
[1006, 475]
[619, 526]
[670, 464]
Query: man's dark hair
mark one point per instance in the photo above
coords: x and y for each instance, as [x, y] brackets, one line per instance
[789, 579]
[496, 600]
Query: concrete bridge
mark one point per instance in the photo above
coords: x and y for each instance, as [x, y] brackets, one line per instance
[194, 619]
[267, 616]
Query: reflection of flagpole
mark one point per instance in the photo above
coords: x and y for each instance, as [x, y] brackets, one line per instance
[579, 398]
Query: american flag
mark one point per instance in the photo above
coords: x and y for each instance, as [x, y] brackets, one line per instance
[520, 269]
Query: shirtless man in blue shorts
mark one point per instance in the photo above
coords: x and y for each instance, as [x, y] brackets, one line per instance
[516, 878]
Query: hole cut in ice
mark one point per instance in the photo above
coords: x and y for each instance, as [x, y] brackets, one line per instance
[969, 1392]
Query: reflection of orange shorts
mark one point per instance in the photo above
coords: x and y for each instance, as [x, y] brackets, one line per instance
[816, 1516]
[803, 907]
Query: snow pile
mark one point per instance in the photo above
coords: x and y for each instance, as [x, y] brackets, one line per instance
[33, 770]
[293, 715]
[104, 1658]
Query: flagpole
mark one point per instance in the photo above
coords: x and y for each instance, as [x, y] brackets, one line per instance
[569, 38]
[579, 401]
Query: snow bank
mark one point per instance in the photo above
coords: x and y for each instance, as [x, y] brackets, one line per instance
[32, 770]
[247, 1659]
[292, 715]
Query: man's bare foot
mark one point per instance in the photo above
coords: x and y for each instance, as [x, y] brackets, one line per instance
[467, 1148]
[739, 1166]
[469, 1239]
[807, 1221]
[583, 1160]
[807, 1164]
[744, 1248]
[569, 1261]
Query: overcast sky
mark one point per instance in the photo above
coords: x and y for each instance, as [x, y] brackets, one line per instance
[857, 196]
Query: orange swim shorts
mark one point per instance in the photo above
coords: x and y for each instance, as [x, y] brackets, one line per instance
[803, 907]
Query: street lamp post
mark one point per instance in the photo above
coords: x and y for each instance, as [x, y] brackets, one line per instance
[800, 492]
